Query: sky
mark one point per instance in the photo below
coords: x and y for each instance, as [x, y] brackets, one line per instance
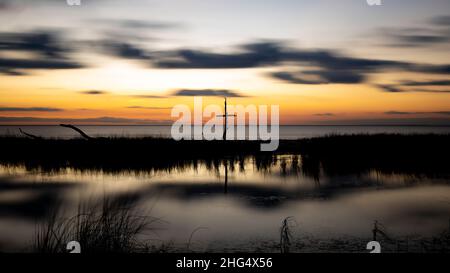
[130, 62]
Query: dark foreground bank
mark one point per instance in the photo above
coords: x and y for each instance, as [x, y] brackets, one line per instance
[419, 154]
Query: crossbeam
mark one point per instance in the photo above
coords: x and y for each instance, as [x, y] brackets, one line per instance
[225, 122]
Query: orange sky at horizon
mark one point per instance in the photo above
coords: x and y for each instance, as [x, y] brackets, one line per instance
[298, 103]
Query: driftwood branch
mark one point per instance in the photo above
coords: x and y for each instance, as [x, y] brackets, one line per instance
[83, 134]
[29, 135]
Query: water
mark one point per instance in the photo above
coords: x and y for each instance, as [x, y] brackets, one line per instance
[286, 132]
[235, 206]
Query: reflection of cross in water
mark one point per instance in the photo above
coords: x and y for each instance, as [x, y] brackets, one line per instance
[225, 164]
[225, 123]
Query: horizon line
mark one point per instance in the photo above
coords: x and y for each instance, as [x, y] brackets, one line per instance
[374, 125]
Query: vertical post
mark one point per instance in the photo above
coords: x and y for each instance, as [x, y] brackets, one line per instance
[225, 121]
[226, 177]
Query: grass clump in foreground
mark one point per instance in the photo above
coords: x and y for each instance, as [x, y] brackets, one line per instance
[105, 227]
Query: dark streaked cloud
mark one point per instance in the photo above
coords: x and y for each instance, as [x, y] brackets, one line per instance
[392, 88]
[432, 69]
[149, 107]
[415, 37]
[249, 55]
[446, 113]
[14, 65]
[5, 5]
[263, 54]
[334, 68]
[141, 24]
[426, 83]
[389, 121]
[48, 44]
[271, 53]
[421, 39]
[324, 115]
[126, 50]
[320, 77]
[417, 86]
[135, 25]
[122, 33]
[206, 93]
[30, 109]
[297, 78]
[429, 91]
[399, 113]
[48, 49]
[138, 96]
[441, 20]
[148, 96]
[347, 77]
[317, 66]
[94, 92]
[322, 66]
[10, 72]
[434, 31]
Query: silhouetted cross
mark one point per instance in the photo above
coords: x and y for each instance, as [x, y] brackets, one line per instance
[225, 124]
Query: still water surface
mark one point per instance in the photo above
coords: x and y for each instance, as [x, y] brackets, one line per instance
[233, 206]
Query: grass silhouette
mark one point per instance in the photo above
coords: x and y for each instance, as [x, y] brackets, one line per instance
[104, 227]
[333, 155]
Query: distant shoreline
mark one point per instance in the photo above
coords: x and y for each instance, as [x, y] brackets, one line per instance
[286, 132]
[287, 125]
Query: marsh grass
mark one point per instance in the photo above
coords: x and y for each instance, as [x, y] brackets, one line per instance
[286, 235]
[418, 155]
[189, 243]
[438, 244]
[105, 227]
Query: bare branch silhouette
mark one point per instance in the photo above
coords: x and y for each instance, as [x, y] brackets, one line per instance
[83, 134]
[29, 135]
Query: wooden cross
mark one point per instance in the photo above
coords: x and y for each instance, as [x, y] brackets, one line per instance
[225, 123]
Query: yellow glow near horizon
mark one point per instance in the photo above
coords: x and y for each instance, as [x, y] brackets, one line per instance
[124, 81]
